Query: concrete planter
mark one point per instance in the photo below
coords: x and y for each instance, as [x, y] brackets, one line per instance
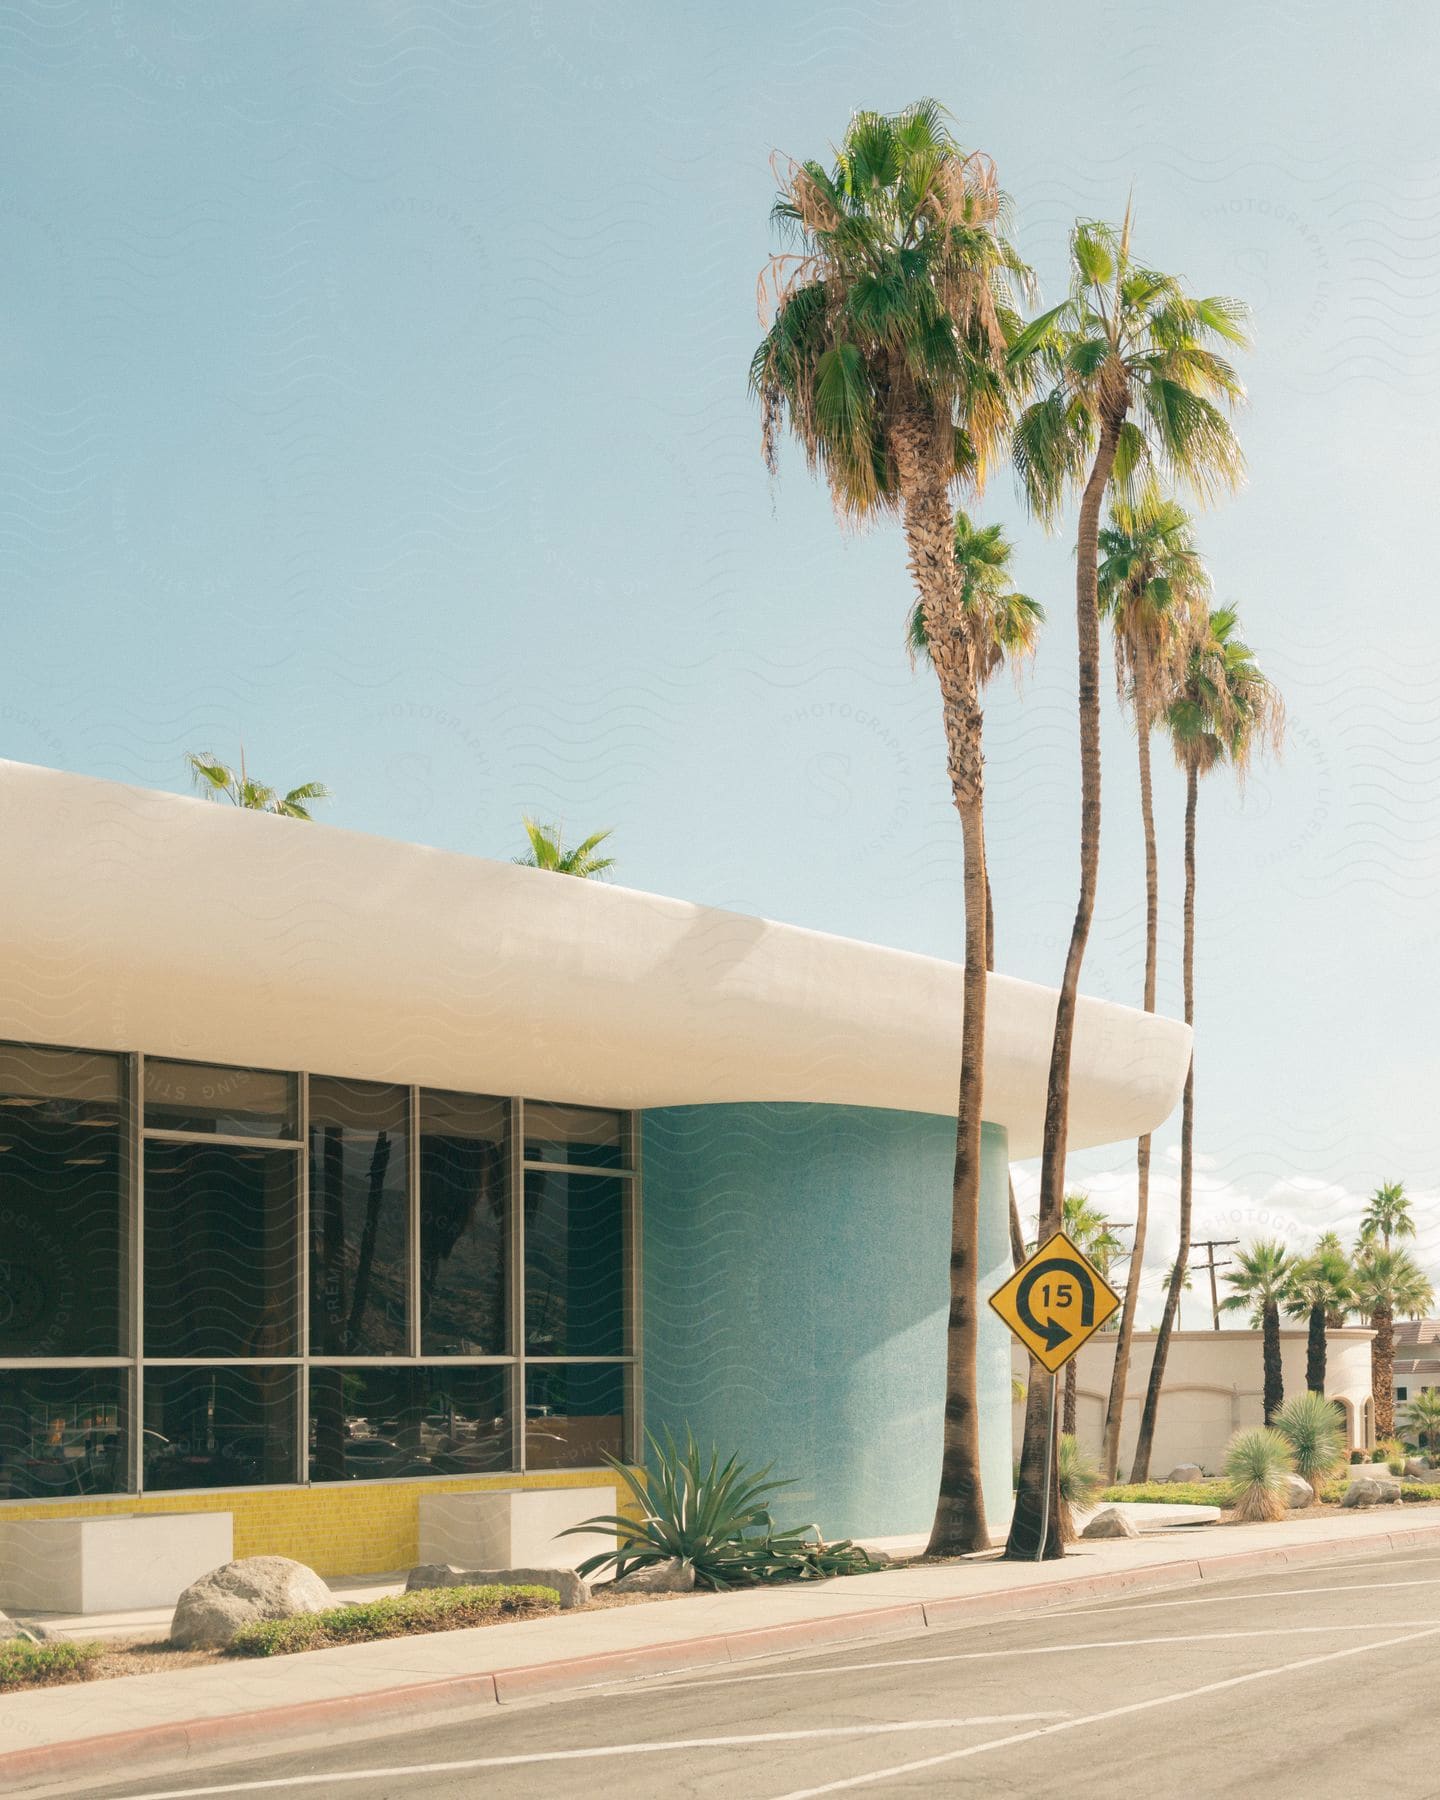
[108, 1564]
[512, 1528]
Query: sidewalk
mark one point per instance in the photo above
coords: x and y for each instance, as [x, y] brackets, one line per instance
[60, 1734]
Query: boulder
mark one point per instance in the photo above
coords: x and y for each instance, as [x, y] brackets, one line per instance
[1111, 1523]
[573, 1589]
[1298, 1492]
[672, 1576]
[1186, 1472]
[1368, 1491]
[213, 1609]
[1417, 1469]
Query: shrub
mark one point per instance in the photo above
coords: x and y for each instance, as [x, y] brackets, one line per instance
[1311, 1426]
[1080, 1477]
[1258, 1462]
[23, 1664]
[394, 1615]
[1357, 1456]
[1173, 1493]
[1379, 1454]
[716, 1519]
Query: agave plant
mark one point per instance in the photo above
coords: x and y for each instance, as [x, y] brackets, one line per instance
[1310, 1425]
[715, 1518]
[1257, 1462]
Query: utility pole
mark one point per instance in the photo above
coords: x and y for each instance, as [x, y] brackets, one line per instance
[1210, 1246]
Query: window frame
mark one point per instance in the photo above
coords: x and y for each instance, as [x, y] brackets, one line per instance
[135, 1134]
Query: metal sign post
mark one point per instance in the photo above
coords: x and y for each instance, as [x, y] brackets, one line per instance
[1053, 1304]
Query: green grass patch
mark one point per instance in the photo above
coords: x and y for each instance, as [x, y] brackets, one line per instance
[1173, 1493]
[26, 1665]
[395, 1615]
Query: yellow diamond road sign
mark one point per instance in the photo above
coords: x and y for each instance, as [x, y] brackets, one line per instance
[1055, 1302]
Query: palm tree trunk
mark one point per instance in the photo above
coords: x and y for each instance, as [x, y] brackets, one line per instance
[1071, 1409]
[1382, 1372]
[1315, 1349]
[1274, 1369]
[1120, 1376]
[924, 454]
[1017, 1234]
[1146, 1440]
[1031, 1504]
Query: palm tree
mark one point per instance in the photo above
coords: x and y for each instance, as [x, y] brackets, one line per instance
[1261, 1281]
[1136, 392]
[885, 358]
[218, 781]
[1225, 711]
[1089, 1230]
[1319, 1293]
[1387, 1284]
[1150, 574]
[1422, 1416]
[1008, 624]
[547, 851]
[1387, 1215]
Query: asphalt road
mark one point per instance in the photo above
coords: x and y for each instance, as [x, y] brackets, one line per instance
[1314, 1683]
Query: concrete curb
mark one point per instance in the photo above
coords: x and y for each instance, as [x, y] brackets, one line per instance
[276, 1727]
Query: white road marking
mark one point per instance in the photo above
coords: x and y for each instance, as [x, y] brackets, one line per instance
[1353, 1587]
[601, 1750]
[672, 1686]
[1099, 1718]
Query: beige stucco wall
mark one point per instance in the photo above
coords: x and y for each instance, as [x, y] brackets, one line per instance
[1213, 1388]
[135, 920]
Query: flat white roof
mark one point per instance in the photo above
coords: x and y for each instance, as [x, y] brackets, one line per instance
[137, 920]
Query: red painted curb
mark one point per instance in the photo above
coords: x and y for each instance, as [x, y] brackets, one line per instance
[180, 1742]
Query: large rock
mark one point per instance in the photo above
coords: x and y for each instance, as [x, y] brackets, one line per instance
[213, 1609]
[572, 1588]
[1111, 1523]
[671, 1576]
[1298, 1492]
[1417, 1469]
[1367, 1491]
[1186, 1472]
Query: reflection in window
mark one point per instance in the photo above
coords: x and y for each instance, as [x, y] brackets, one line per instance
[63, 1432]
[359, 1236]
[575, 1416]
[571, 1134]
[374, 1424]
[228, 1102]
[63, 1226]
[574, 1264]
[216, 1428]
[463, 1272]
[220, 1251]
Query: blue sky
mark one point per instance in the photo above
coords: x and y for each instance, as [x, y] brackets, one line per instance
[374, 389]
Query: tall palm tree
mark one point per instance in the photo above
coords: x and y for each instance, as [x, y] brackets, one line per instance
[1135, 392]
[1261, 1280]
[1008, 624]
[218, 781]
[1319, 1293]
[1387, 1284]
[886, 358]
[547, 851]
[1150, 578]
[1387, 1215]
[1225, 711]
[1089, 1230]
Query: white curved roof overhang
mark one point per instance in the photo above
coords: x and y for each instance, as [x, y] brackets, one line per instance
[136, 920]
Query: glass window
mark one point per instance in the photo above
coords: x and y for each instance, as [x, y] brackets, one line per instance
[463, 1211]
[571, 1134]
[220, 1251]
[217, 1428]
[359, 1229]
[377, 1424]
[574, 1416]
[63, 1231]
[574, 1264]
[228, 1102]
[63, 1432]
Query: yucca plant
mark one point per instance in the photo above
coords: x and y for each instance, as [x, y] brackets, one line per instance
[1080, 1477]
[715, 1518]
[1310, 1425]
[1257, 1462]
